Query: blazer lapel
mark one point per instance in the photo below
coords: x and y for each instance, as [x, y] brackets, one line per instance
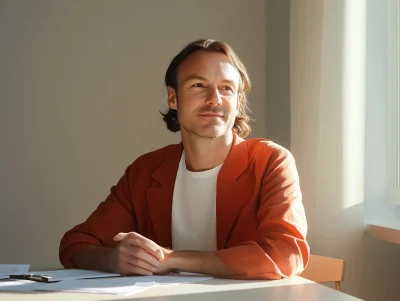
[159, 198]
[230, 196]
[229, 199]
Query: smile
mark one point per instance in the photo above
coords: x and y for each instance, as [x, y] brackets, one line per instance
[211, 115]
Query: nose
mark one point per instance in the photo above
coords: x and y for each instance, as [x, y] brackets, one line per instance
[213, 96]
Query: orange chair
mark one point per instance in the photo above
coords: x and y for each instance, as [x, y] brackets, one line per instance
[325, 269]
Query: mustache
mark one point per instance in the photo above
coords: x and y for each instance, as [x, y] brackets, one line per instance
[213, 110]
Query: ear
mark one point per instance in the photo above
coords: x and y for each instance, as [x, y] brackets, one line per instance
[172, 98]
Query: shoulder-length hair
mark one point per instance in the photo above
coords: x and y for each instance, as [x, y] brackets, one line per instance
[242, 121]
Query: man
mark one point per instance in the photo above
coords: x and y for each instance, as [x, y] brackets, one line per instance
[214, 204]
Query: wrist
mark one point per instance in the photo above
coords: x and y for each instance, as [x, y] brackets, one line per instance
[105, 259]
[171, 258]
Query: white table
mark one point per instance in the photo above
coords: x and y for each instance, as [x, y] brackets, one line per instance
[296, 288]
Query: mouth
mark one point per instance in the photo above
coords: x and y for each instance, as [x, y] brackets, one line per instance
[211, 115]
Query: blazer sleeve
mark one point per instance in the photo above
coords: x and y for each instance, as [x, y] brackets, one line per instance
[281, 249]
[112, 216]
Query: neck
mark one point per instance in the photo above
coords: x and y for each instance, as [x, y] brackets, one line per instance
[206, 153]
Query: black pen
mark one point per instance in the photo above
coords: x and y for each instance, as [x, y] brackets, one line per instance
[33, 277]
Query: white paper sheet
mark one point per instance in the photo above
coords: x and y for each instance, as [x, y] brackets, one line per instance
[71, 274]
[19, 285]
[7, 269]
[189, 274]
[119, 286]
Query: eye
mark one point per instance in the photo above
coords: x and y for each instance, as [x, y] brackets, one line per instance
[227, 88]
[198, 85]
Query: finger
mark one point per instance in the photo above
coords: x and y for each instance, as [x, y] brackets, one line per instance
[137, 240]
[142, 264]
[135, 270]
[141, 254]
[128, 260]
[120, 236]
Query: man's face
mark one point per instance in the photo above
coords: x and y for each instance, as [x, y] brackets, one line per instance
[207, 96]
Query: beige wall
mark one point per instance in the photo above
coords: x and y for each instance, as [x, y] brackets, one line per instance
[81, 84]
[277, 84]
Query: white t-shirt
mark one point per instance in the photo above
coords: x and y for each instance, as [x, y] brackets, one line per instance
[194, 209]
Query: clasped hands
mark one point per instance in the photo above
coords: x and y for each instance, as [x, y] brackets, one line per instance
[138, 255]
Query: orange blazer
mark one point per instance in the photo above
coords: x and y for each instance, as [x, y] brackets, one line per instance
[261, 223]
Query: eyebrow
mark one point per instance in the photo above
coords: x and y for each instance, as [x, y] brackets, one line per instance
[199, 77]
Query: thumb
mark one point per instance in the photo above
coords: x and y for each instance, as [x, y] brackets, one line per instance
[120, 236]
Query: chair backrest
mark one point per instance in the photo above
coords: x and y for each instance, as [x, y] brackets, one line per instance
[325, 269]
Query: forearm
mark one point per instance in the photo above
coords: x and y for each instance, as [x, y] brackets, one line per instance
[207, 263]
[93, 258]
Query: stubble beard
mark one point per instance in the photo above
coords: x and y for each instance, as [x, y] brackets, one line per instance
[197, 130]
[210, 131]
